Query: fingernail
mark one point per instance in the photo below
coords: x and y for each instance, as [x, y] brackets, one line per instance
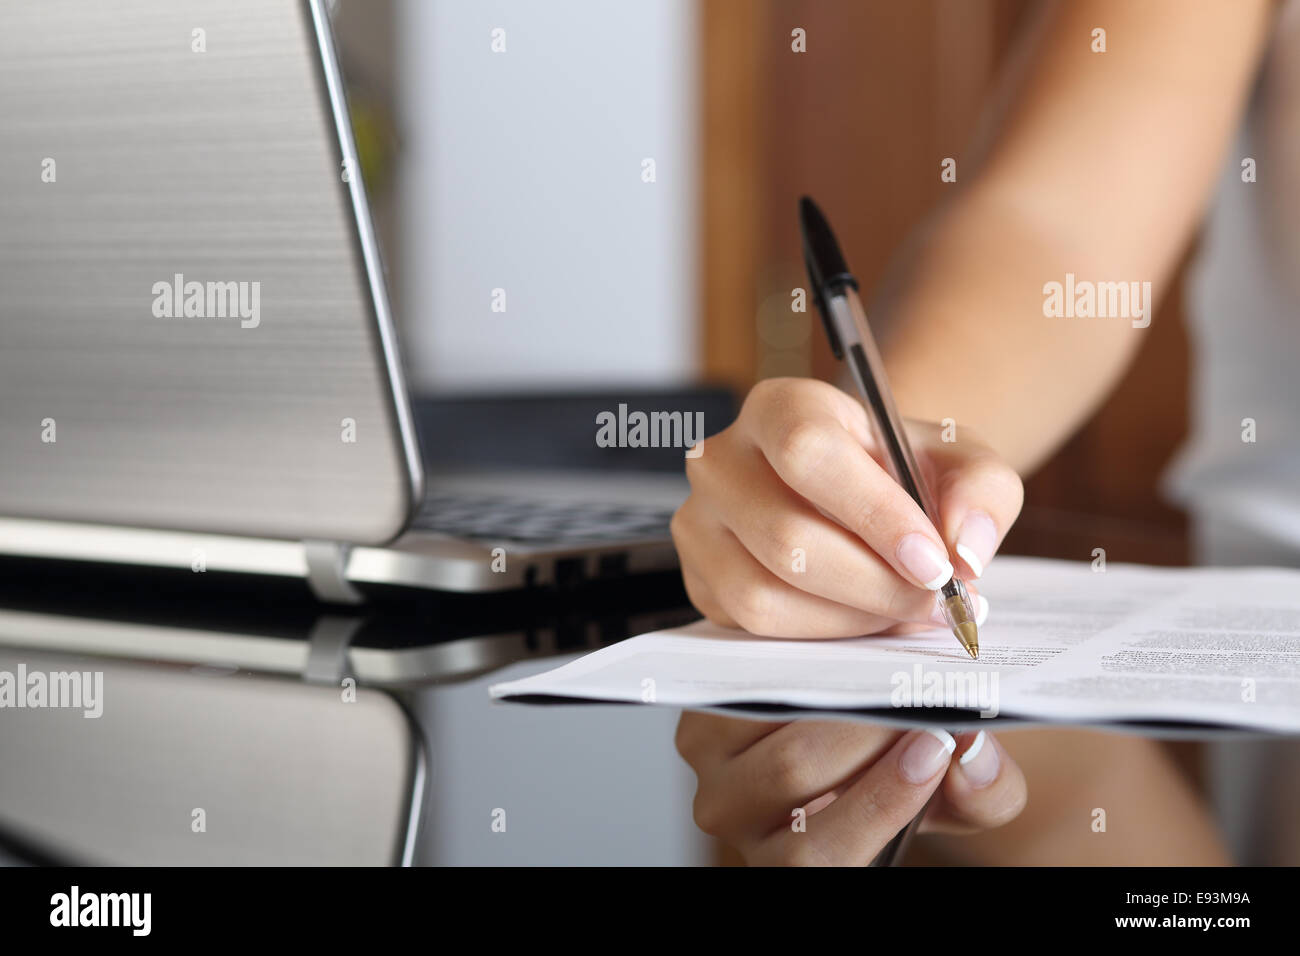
[924, 561]
[980, 762]
[926, 755]
[976, 541]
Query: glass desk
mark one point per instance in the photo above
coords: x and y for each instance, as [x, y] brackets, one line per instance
[242, 723]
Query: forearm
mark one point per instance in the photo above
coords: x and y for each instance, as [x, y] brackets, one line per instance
[964, 334]
[1101, 167]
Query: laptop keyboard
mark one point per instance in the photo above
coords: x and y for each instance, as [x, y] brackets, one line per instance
[508, 518]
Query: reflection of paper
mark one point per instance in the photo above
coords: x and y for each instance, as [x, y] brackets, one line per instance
[1062, 642]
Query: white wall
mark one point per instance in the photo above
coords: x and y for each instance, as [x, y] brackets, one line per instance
[522, 170]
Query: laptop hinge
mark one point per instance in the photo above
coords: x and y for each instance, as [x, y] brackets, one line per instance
[327, 649]
[327, 562]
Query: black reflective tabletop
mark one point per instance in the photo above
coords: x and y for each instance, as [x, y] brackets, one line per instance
[176, 718]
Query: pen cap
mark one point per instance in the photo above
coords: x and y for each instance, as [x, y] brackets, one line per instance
[827, 270]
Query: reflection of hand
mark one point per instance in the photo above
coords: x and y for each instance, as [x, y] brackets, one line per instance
[857, 785]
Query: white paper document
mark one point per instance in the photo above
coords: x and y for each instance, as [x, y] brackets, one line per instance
[1063, 643]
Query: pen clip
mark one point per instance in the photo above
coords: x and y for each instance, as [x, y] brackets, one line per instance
[836, 348]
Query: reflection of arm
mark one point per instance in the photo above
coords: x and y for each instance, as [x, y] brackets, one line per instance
[1101, 165]
[1152, 817]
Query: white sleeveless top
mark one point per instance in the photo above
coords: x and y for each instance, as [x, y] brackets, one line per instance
[1243, 308]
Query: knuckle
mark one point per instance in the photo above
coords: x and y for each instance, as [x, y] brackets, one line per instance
[785, 532]
[751, 604]
[792, 767]
[886, 813]
[709, 814]
[879, 516]
[717, 616]
[677, 524]
[698, 465]
[865, 517]
[711, 473]
[761, 392]
[770, 392]
[699, 598]
[800, 448]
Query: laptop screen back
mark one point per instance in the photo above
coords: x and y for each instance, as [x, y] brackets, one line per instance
[193, 329]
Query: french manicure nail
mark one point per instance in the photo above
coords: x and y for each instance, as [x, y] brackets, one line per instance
[926, 755]
[976, 541]
[924, 561]
[980, 762]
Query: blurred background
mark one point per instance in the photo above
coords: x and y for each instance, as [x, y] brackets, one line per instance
[524, 170]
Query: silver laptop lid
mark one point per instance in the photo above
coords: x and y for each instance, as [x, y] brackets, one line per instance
[194, 332]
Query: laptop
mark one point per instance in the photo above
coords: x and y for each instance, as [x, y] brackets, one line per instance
[198, 367]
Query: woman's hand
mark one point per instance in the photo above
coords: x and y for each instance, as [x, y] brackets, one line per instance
[794, 529]
[819, 793]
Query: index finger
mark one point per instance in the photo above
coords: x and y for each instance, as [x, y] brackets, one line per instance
[883, 800]
[814, 440]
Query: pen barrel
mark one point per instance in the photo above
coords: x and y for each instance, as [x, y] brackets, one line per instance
[863, 357]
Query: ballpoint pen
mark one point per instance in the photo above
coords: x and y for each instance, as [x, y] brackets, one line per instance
[835, 292]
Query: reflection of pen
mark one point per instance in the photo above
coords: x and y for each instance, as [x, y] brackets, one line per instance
[836, 293]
